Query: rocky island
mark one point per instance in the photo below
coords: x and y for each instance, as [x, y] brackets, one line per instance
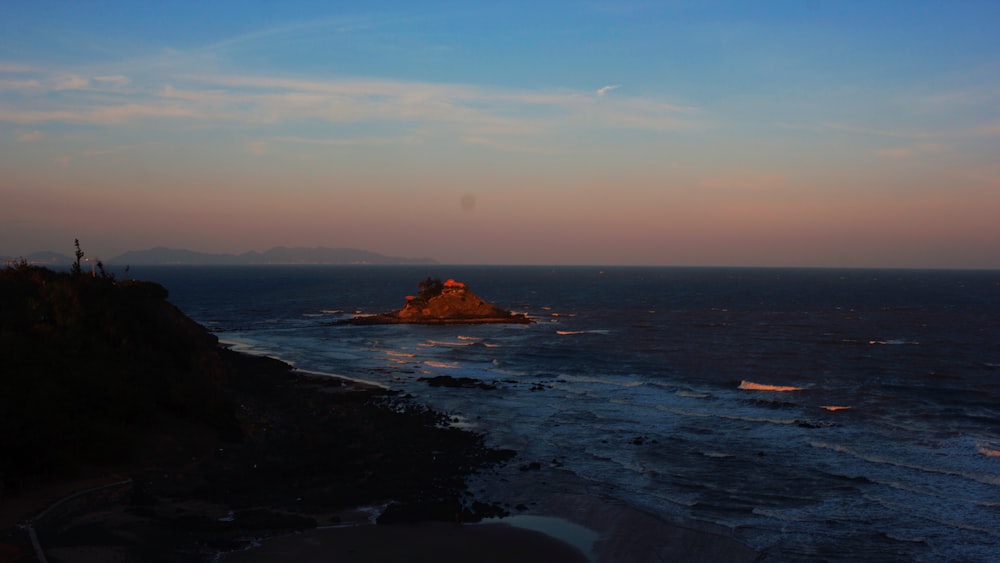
[448, 302]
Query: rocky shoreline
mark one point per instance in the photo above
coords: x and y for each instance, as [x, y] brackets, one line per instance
[132, 435]
[316, 449]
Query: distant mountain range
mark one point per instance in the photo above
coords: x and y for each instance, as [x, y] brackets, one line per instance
[277, 255]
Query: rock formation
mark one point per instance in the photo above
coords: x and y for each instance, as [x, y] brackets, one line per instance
[449, 302]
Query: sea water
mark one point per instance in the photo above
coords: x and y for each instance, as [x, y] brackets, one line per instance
[817, 414]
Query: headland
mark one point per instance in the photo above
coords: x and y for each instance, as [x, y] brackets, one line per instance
[139, 437]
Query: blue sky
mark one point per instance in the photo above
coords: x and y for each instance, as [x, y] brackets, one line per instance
[691, 133]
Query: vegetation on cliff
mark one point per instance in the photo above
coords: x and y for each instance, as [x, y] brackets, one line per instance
[88, 363]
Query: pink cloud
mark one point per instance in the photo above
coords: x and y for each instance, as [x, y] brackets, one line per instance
[30, 136]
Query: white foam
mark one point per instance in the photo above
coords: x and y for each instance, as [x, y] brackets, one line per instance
[395, 354]
[433, 343]
[744, 384]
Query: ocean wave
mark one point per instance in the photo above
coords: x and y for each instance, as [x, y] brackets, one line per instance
[986, 478]
[443, 365]
[569, 332]
[934, 516]
[923, 490]
[395, 354]
[601, 381]
[750, 385]
[988, 450]
[693, 394]
[892, 342]
[743, 418]
[835, 408]
[433, 343]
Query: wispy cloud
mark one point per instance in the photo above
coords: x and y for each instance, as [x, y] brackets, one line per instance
[910, 151]
[66, 160]
[107, 115]
[876, 132]
[30, 136]
[463, 111]
[20, 85]
[606, 89]
[991, 129]
[12, 67]
[70, 82]
[117, 80]
[257, 147]
[371, 141]
[106, 152]
[508, 147]
[746, 180]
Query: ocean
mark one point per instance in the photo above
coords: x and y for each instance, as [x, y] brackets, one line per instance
[814, 413]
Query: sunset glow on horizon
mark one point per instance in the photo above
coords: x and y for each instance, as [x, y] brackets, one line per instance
[827, 134]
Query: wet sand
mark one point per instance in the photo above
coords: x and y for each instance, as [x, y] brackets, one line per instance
[572, 528]
[437, 542]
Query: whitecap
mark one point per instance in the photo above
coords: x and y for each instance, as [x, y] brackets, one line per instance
[988, 450]
[395, 354]
[433, 343]
[443, 365]
[892, 342]
[750, 385]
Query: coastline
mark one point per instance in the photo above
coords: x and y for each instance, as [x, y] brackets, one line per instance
[211, 503]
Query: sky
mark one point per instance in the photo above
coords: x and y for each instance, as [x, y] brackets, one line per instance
[805, 133]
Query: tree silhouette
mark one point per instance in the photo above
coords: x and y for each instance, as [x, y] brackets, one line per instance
[75, 268]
